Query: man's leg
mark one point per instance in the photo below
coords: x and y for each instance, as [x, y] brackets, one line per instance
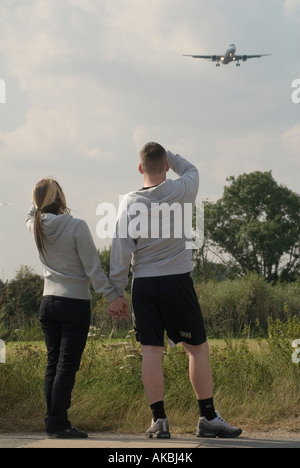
[150, 329]
[200, 370]
[210, 424]
[153, 378]
[153, 381]
[201, 378]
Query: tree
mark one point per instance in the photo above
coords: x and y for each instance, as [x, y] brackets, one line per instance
[2, 294]
[257, 222]
[2, 285]
[104, 257]
[22, 299]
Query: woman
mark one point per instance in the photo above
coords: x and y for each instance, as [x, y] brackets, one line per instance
[71, 264]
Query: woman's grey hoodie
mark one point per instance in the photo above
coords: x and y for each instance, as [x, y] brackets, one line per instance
[71, 261]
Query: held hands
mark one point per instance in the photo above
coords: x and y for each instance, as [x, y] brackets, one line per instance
[118, 308]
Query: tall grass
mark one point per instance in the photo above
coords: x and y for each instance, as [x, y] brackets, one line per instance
[255, 386]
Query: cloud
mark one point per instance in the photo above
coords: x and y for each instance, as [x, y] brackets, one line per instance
[147, 33]
[239, 155]
[57, 51]
[72, 116]
[88, 6]
[143, 134]
[28, 39]
[291, 5]
[292, 9]
[291, 141]
[99, 155]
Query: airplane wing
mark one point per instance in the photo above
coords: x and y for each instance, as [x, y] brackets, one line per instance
[207, 57]
[243, 57]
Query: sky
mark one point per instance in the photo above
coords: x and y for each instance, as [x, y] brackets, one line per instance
[89, 82]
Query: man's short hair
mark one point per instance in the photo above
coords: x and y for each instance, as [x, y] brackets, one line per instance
[153, 158]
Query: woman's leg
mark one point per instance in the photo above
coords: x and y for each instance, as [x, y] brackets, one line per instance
[52, 335]
[73, 318]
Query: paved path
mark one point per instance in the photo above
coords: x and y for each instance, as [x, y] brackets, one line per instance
[138, 441]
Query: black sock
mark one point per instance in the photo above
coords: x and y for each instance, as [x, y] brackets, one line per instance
[158, 410]
[207, 408]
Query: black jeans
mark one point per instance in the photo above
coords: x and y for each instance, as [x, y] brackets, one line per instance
[65, 323]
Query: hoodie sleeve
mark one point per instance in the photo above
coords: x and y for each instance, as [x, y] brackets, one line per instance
[30, 219]
[89, 257]
[121, 253]
[187, 172]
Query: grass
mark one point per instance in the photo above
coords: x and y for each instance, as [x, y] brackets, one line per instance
[256, 384]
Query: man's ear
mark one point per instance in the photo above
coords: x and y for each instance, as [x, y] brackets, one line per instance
[141, 169]
[167, 166]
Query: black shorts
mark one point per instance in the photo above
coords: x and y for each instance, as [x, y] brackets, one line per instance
[167, 303]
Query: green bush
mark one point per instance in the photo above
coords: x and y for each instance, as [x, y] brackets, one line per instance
[231, 306]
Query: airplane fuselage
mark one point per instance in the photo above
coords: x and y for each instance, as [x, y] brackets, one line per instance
[229, 55]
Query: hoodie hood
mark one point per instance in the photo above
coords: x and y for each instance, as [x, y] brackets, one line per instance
[169, 191]
[54, 225]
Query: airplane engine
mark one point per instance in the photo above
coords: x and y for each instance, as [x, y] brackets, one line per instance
[214, 58]
[245, 58]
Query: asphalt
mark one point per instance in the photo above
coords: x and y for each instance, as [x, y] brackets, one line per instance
[138, 441]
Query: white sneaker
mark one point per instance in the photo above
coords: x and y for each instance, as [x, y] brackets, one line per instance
[159, 429]
[218, 427]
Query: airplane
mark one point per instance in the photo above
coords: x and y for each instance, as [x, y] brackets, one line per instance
[228, 57]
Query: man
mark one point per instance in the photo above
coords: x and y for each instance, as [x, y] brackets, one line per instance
[151, 236]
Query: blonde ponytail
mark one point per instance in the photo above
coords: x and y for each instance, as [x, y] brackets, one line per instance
[39, 235]
[48, 197]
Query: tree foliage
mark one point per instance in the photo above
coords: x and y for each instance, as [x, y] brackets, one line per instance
[257, 222]
[21, 298]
